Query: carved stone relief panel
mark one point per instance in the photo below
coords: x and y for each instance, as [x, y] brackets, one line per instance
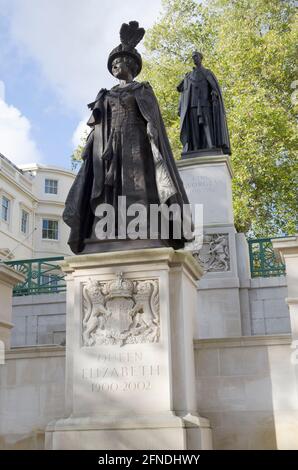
[214, 255]
[120, 311]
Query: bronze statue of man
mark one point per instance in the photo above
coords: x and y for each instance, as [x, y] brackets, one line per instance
[127, 154]
[203, 124]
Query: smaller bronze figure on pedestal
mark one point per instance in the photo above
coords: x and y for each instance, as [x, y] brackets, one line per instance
[203, 124]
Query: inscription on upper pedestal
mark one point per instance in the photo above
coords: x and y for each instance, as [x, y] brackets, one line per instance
[121, 311]
[200, 183]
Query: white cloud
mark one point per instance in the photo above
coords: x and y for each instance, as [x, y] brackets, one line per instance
[81, 130]
[71, 40]
[16, 142]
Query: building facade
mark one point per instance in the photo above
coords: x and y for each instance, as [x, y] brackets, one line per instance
[32, 201]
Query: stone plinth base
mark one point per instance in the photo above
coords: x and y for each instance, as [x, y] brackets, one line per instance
[207, 181]
[139, 433]
[203, 153]
[130, 373]
[288, 249]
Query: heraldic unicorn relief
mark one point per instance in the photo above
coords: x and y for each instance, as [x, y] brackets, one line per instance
[121, 311]
[214, 255]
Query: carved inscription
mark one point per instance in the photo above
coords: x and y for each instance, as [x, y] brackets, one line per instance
[121, 373]
[200, 183]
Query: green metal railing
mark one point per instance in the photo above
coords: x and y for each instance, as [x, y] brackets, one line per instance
[43, 276]
[263, 260]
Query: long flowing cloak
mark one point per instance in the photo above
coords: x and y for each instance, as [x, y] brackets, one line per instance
[220, 128]
[86, 191]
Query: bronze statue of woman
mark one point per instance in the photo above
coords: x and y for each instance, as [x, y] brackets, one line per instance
[127, 153]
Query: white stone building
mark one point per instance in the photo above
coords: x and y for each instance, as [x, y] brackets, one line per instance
[32, 201]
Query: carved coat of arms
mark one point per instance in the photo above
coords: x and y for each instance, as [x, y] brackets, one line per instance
[214, 254]
[121, 311]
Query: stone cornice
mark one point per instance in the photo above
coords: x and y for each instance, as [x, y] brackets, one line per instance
[205, 160]
[243, 341]
[35, 351]
[10, 276]
[145, 256]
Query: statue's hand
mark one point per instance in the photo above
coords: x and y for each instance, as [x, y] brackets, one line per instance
[152, 132]
[214, 95]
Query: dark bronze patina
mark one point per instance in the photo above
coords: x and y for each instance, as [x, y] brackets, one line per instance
[127, 153]
[203, 124]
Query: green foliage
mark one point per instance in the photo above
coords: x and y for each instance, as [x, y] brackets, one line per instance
[250, 46]
[76, 158]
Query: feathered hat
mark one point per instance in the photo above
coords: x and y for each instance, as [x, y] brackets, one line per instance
[130, 36]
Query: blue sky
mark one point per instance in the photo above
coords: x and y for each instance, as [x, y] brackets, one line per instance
[53, 57]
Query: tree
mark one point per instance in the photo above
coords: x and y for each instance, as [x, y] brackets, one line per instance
[250, 46]
[76, 157]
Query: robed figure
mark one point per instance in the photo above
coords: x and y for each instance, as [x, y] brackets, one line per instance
[203, 123]
[127, 152]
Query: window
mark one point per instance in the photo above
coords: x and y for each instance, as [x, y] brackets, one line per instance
[51, 186]
[5, 209]
[50, 229]
[49, 281]
[24, 221]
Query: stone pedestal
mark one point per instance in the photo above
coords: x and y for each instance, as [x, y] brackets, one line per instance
[207, 181]
[8, 279]
[130, 374]
[288, 250]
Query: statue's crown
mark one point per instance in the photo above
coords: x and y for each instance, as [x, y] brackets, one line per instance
[130, 36]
